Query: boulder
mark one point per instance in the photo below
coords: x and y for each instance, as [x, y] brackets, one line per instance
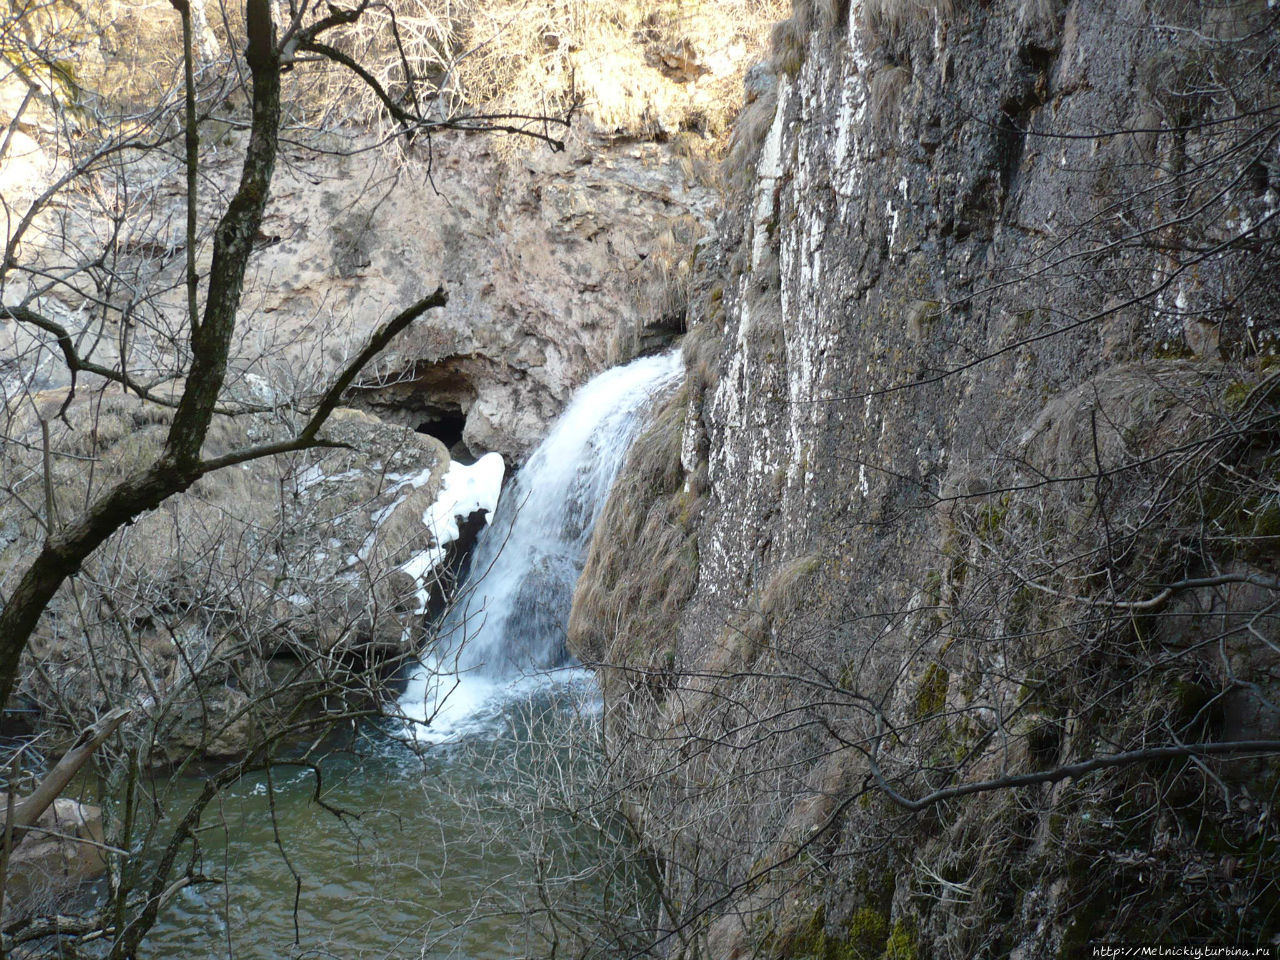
[63, 850]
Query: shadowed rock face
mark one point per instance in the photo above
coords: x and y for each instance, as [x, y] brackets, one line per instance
[921, 309]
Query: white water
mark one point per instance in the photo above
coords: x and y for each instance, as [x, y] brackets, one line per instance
[505, 634]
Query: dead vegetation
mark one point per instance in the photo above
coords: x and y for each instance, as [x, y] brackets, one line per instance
[891, 21]
[218, 583]
[634, 70]
[885, 97]
[626, 613]
[737, 170]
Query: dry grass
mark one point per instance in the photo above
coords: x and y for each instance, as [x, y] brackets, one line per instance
[892, 20]
[636, 69]
[824, 15]
[788, 587]
[71, 51]
[885, 97]
[672, 256]
[788, 42]
[737, 170]
[625, 613]
[700, 350]
[663, 288]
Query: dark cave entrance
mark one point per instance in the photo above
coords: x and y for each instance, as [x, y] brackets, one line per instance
[447, 426]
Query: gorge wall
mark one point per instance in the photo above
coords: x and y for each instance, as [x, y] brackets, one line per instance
[970, 479]
[936, 612]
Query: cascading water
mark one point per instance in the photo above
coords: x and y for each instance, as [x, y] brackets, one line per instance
[507, 627]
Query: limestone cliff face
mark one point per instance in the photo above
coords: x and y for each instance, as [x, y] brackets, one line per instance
[968, 481]
[547, 261]
[553, 263]
[557, 263]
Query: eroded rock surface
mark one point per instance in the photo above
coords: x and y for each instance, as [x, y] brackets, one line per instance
[950, 434]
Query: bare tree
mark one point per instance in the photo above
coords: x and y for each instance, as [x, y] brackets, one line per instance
[136, 376]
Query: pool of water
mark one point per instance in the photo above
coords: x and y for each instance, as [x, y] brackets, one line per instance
[431, 856]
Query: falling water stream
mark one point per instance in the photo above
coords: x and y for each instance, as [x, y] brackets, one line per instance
[505, 634]
[401, 878]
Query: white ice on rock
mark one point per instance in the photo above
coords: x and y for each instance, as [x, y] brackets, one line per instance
[464, 490]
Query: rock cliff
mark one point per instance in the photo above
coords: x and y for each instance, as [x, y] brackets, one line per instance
[937, 612]
[558, 264]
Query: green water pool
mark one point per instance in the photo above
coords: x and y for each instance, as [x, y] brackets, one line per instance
[431, 857]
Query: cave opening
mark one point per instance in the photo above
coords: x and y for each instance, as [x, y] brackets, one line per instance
[447, 426]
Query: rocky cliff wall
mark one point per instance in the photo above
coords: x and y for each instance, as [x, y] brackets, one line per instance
[558, 264]
[970, 480]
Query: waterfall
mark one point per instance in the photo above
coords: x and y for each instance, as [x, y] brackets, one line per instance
[507, 627]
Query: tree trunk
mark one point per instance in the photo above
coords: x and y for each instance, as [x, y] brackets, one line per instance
[179, 464]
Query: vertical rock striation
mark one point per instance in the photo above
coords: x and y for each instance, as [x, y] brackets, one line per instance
[973, 482]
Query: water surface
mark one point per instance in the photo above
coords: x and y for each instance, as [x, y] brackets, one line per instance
[429, 859]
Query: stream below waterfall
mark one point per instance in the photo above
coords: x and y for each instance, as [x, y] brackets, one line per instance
[399, 873]
[420, 844]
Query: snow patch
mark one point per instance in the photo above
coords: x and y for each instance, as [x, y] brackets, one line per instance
[464, 490]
